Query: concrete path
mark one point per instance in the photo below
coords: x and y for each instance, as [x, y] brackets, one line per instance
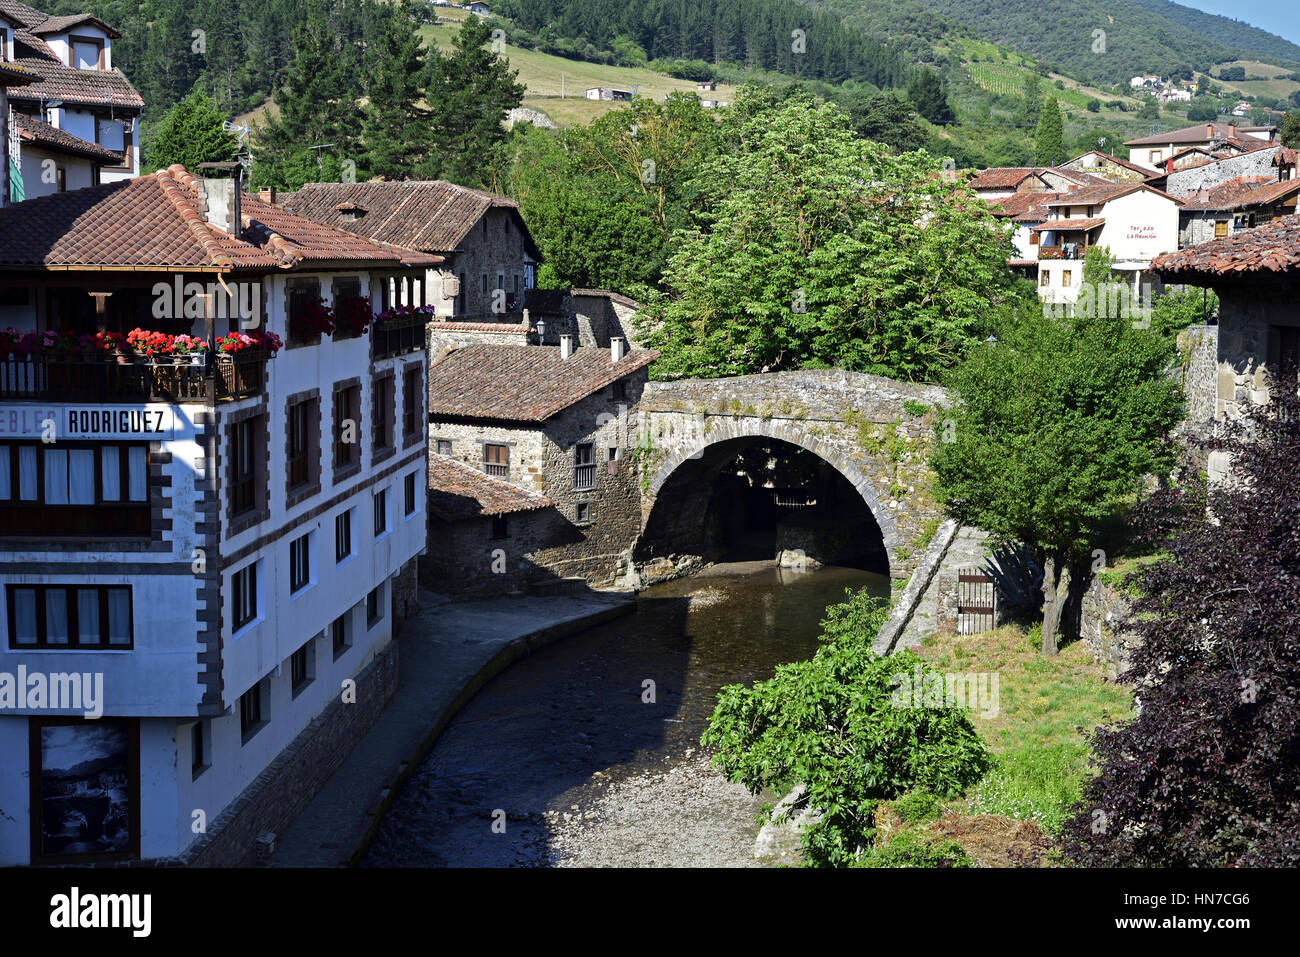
[445, 654]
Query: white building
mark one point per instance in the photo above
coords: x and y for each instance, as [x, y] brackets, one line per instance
[1134, 222]
[222, 550]
[78, 123]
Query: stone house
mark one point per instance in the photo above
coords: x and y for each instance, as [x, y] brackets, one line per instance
[1239, 204]
[1213, 169]
[1256, 275]
[999, 181]
[489, 257]
[558, 422]
[1152, 151]
[1107, 167]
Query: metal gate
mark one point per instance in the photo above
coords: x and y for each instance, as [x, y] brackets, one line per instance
[976, 602]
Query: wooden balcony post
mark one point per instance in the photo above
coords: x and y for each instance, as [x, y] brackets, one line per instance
[101, 310]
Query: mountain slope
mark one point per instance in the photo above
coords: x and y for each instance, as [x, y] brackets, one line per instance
[1234, 33]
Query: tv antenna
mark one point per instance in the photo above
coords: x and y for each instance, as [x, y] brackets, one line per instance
[242, 153]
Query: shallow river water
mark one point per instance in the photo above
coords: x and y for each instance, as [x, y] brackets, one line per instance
[563, 753]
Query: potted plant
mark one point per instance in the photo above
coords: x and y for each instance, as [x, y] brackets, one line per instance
[311, 319]
[352, 316]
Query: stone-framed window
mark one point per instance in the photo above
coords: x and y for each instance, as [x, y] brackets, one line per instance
[297, 294]
[383, 394]
[412, 404]
[496, 459]
[302, 446]
[347, 428]
[247, 478]
[584, 466]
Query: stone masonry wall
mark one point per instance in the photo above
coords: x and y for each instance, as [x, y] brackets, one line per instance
[284, 788]
[1199, 348]
[1101, 613]
[1182, 183]
[857, 423]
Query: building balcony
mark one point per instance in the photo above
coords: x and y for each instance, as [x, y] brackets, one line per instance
[398, 335]
[120, 378]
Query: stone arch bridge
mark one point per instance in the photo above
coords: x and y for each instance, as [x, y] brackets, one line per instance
[870, 437]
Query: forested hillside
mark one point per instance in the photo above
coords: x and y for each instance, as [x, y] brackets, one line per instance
[758, 34]
[1241, 36]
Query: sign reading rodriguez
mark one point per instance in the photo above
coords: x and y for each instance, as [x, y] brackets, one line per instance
[88, 422]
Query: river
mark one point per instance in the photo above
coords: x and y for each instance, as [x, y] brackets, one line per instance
[564, 760]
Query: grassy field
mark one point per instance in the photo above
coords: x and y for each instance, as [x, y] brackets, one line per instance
[1275, 85]
[547, 76]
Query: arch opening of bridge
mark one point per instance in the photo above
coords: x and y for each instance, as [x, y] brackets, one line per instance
[760, 497]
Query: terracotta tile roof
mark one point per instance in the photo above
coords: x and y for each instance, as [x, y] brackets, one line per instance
[12, 76]
[1187, 134]
[432, 215]
[606, 294]
[43, 134]
[1241, 192]
[155, 221]
[458, 492]
[1001, 177]
[452, 325]
[1097, 195]
[1273, 248]
[59, 24]
[1286, 156]
[522, 383]
[1019, 205]
[1065, 225]
[1110, 159]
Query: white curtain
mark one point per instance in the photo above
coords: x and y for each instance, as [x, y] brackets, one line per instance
[5, 490]
[137, 457]
[119, 616]
[81, 477]
[27, 473]
[88, 616]
[24, 616]
[110, 473]
[56, 477]
[56, 616]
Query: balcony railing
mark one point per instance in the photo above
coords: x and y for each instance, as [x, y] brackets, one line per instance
[397, 336]
[584, 477]
[130, 379]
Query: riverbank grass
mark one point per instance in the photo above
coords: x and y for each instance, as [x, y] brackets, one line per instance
[1046, 708]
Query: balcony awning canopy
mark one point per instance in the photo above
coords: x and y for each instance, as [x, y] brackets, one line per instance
[1069, 225]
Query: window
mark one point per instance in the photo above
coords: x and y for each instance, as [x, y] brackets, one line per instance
[85, 53]
[496, 460]
[1220, 228]
[1034, 237]
[381, 413]
[342, 535]
[408, 494]
[300, 563]
[69, 616]
[347, 428]
[1157, 156]
[461, 294]
[444, 446]
[619, 389]
[250, 711]
[1045, 279]
[345, 291]
[583, 512]
[380, 503]
[60, 180]
[243, 605]
[302, 666]
[1066, 276]
[244, 456]
[198, 755]
[339, 635]
[500, 527]
[299, 295]
[411, 404]
[584, 466]
[303, 453]
[374, 606]
[613, 453]
[71, 488]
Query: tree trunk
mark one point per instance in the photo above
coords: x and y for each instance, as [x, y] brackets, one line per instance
[1056, 583]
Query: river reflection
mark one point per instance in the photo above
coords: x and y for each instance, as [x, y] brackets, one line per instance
[533, 738]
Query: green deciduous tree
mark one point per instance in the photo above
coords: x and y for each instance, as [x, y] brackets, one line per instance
[812, 247]
[189, 133]
[1291, 130]
[1057, 426]
[886, 118]
[852, 727]
[1048, 146]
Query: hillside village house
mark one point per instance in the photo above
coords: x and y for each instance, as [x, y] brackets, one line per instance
[10, 166]
[226, 535]
[557, 424]
[77, 123]
[1152, 151]
[1256, 345]
[1103, 166]
[1198, 170]
[488, 257]
[1135, 223]
[1239, 204]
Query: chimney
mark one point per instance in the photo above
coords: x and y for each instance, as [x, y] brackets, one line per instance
[617, 348]
[1209, 131]
[1232, 130]
[219, 197]
[266, 194]
[566, 346]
